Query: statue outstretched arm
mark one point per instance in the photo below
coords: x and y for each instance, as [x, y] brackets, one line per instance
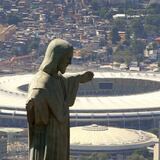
[86, 77]
[71, 84]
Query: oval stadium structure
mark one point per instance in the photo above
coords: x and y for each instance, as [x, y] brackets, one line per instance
[119, 99]
[119, 143]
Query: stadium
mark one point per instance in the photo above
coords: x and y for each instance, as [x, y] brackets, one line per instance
[118, 99]
[113, 143]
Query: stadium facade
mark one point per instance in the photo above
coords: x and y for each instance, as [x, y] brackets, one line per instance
[119, 99]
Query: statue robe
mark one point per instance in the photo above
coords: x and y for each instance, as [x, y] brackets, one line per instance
[47, 107]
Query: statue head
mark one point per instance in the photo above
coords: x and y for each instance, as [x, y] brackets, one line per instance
[57, 57]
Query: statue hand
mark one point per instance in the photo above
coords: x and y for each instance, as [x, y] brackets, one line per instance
[87, 76]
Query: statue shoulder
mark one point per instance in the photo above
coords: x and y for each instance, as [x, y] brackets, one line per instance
[40, 80]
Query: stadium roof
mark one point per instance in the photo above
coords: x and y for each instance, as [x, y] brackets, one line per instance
[12, 97]
[102, 138]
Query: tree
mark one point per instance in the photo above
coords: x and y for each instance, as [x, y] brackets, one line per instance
[99, 156]
[153, 19]
[115, 35]
[127, 38]
[102, 12]
[151, 30]
[153, 9]
[94, 4]
[123, 56]
[137, 28]
[128, 57]
[13, 19]
[135, 156]
[109, 14]
[141, 154]
[34, 44]
[120, 24]
[137, 48]
[131, 4]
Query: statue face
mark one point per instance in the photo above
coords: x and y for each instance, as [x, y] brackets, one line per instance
[64, 62]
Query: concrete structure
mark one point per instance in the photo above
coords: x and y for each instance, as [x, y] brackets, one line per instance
[156, 152]
[117, 142]
[123, 99]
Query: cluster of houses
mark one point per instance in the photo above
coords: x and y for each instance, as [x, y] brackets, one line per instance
[39, 21]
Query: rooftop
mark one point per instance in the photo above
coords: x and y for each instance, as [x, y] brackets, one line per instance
[13, 97]
[95, 137]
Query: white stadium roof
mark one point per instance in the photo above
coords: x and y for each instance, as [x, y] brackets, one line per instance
[12, 97]
[102, 138]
